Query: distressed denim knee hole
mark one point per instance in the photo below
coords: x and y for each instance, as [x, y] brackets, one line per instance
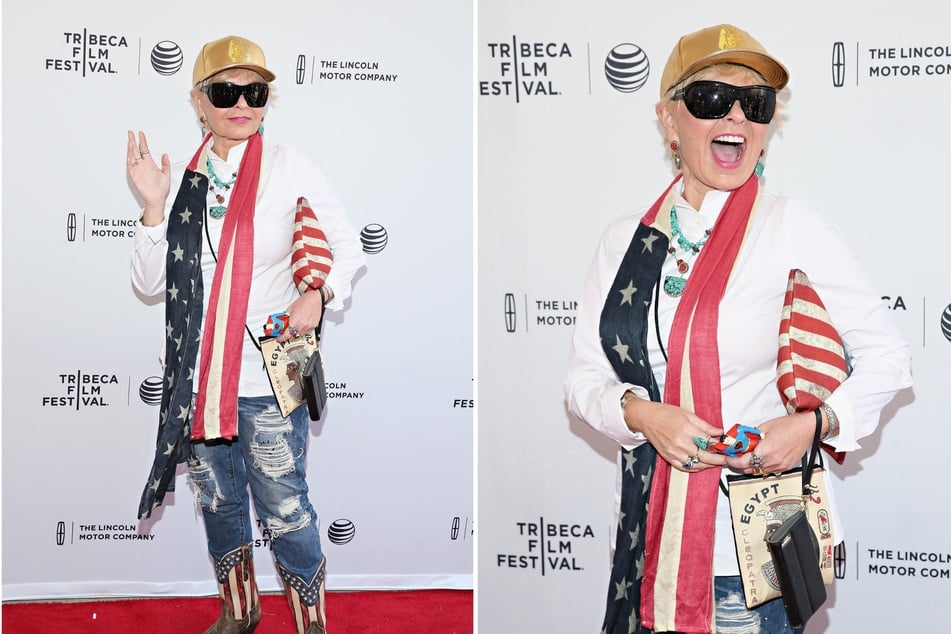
[733, 618]
[293, 517]
[205, 483]
[270, 449]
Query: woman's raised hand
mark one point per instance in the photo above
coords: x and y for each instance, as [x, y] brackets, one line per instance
[151, 182]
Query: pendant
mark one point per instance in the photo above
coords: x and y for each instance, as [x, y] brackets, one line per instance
[674, 286]
[217, 212]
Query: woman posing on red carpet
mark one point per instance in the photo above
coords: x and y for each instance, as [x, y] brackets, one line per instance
[220, 251]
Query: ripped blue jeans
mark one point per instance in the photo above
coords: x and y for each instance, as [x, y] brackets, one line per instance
[269, 457]
[734, 618]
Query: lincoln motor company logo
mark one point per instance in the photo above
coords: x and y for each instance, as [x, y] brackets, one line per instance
[99, 532]
[885, 61]
[309, 70]
[82, 227]
[539, 313]
[460, 528]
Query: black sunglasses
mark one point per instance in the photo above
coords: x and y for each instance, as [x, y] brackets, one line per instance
[226, 94]
[713, 100]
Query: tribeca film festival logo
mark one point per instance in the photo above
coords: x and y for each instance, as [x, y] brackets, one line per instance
[82, 389]
[537, 312]
[547, 547]
[87, 53]
[99, 532]
[524, 69]
[888, 62]
[346, 70]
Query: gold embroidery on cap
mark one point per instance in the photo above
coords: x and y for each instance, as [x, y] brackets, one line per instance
[236, 49]
[730, 38]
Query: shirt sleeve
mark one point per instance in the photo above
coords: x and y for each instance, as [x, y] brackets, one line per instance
[592, 388]
[148, 258]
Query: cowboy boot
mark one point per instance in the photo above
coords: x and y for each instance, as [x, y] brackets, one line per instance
[306, 600]
[240, 603]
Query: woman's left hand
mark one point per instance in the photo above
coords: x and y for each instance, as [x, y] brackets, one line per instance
[303, 315]
[785, 440]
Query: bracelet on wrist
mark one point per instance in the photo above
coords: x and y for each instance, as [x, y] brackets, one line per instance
[832, 419]
[627, 396]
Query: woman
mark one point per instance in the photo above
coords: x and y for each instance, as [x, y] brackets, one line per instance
[676, 338]
[220, 250]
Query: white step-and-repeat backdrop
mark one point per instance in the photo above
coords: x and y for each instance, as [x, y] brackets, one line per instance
[379, 95]
[562, 151]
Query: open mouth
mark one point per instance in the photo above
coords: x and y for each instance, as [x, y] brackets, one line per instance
[728, 149]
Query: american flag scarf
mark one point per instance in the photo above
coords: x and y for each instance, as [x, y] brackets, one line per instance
[184, 312]
[662, 574]
[222, 338]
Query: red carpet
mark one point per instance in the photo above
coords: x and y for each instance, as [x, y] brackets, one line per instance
[416, 612]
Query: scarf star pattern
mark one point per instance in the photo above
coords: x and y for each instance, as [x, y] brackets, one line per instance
[215, 408]
[662, 579]
[183, 317]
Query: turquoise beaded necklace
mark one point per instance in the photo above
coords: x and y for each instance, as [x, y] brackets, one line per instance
[218, 211]
[674, 286]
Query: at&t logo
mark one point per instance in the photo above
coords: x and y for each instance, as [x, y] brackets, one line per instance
[627, 67]
[167, 58]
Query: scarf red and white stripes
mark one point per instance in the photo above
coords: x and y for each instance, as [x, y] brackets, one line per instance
[222, 339]
[677, 591]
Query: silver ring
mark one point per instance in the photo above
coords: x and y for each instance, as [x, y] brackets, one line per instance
[143, 153]
[688, 463]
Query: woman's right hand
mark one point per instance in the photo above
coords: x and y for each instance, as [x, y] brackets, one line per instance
[671, 430]
[151, 182]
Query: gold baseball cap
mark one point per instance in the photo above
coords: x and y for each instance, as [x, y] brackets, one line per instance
[721, 44]
[230, 52]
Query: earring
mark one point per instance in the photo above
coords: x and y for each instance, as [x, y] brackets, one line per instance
[204, 127]
[758, 170]
[261, 128]
[675, 148]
